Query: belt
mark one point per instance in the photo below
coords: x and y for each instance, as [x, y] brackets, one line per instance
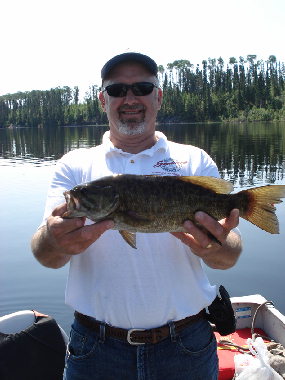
[138, 336]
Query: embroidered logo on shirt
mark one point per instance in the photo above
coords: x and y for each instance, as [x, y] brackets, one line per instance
[170, 165]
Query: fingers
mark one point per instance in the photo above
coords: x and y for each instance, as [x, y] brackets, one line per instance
[58, 226]
[71, 236]
[197, 247]
[197, 238]
[94, 231]
[219, 229]
[186, 238]
[59, 210]
[80, 239]
[232, 221]
[200, 235]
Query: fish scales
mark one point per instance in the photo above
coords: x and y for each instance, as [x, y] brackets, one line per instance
[161, 204]
[138, 203]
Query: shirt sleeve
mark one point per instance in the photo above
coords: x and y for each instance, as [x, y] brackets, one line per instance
[63, 179]
[208, 166]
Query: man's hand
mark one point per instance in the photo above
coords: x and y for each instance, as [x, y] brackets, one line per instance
[214, 255]
[55, 243]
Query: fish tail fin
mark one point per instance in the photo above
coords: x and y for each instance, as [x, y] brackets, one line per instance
[261, 210]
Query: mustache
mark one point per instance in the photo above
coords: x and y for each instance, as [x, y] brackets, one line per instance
[133, 107]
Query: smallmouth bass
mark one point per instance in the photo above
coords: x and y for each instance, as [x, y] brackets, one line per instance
[138, 203]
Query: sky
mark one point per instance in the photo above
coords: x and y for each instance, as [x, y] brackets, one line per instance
[51, 43]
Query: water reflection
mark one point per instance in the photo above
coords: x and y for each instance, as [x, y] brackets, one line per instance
[246, 154]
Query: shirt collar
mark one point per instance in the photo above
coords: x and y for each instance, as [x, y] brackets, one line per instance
[161, 144]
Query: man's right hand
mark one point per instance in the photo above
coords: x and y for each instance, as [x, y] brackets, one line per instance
[55, 243]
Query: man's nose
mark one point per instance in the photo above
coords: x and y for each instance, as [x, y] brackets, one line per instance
[130, 98]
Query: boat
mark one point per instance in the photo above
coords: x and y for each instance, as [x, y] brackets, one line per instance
[255, 316]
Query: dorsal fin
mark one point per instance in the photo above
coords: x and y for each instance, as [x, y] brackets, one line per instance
[217, 185]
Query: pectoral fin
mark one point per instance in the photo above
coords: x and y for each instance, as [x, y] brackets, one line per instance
[129, 237]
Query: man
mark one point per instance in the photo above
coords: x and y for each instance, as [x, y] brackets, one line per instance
[137, 315]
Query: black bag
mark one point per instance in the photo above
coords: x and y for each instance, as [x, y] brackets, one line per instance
[221, 313]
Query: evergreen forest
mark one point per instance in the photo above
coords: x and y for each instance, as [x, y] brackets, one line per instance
[244, 89]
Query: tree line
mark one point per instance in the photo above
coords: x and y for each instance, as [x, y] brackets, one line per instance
[243, 89]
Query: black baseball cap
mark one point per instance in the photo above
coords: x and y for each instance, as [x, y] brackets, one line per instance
[149, 63]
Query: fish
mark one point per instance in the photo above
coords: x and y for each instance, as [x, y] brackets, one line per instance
[154, 204]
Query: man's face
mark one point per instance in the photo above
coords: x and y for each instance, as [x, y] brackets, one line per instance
[131, 115]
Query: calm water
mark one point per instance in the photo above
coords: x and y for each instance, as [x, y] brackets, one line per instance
[248, 155]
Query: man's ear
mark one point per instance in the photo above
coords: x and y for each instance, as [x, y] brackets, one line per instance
[102, 100]
[159, 97]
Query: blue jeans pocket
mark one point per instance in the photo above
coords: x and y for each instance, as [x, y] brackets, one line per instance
[81, 346]
[197, 339]
[197, 350]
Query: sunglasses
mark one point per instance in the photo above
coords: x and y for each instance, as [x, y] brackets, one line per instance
[119, 90]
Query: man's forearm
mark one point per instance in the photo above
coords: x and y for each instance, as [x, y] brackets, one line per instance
[56, 242]
[45, 253]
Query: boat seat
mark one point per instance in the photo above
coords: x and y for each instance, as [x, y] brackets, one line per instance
[32, 347]
[15, 322]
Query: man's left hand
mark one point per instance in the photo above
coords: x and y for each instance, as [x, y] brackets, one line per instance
[215, 255]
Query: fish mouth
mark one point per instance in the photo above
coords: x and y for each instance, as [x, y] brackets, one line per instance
[72, 202]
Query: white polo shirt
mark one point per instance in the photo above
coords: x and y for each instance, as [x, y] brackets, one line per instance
[160, 281]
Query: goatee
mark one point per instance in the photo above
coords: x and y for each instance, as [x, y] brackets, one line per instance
[129, 125]
[131, 128]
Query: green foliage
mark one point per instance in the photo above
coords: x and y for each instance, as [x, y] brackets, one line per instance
[260, 114]
[57, 106]
[244, 89]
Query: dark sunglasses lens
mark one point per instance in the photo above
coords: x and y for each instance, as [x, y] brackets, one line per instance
[142, 88]
[117, 90]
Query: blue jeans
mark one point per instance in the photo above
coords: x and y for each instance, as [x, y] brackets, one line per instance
[191, 355]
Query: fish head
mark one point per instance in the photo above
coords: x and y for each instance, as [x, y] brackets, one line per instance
[95, 202]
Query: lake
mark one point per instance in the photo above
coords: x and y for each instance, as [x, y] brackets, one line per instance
[248, 155]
